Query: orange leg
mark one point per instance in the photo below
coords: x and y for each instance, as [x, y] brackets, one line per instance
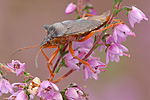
[51, 59]
[115, 20]
[73, 54]
[86, 14]
[44, 55]
[91, 33]
[53, 56]
[47, 63]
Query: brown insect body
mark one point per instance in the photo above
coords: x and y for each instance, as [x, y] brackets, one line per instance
[72, 30]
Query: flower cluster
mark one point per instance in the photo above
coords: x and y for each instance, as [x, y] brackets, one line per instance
[84, 51]
[17, 66]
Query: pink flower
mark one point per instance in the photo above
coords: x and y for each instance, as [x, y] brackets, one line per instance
[57, 96]
[136, 15]
[114, 51]
[70, 8]
[109, 39]
[120, 33]
[5, 86]
[96, 65]
[19, 86]
[46, 90]
[102, 45]
[20, 94]
[73, 94]
[71, 62]
[17, 66]
[85, 44]
[84, 51]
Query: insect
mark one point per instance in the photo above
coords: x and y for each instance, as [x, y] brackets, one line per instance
[72, 30]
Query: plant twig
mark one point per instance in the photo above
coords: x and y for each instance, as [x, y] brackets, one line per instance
[64, 76]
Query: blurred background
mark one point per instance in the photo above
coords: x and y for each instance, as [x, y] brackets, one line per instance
[21, 25]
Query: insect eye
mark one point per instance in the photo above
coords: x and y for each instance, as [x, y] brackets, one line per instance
[48, 42]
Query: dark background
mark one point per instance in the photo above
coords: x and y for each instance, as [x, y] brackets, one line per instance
[21, 25]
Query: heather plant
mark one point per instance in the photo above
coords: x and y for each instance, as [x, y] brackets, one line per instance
[111, 43]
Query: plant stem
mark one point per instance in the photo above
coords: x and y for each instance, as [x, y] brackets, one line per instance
[59, 58]
[79, 7]
[64, 76]
[113, 15]
[92, 49]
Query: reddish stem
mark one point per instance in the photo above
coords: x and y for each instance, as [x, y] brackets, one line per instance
[64, 76]
[113, 15]
[92, 49]
[79, 7]
[59, 58]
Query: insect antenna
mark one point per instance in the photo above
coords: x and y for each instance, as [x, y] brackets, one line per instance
[37, 55]
[24, 48]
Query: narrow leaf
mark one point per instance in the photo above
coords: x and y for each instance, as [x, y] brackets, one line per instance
[57, 70]
[62, 63]
[118, 11]
[27, 80]
[120, 1]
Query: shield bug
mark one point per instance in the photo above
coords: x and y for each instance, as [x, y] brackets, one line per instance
[73, 30]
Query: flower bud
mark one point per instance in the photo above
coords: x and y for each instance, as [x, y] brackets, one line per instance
[70, 8]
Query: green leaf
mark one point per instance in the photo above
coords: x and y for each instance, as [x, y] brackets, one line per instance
[105, 30]
[115, 2]
[62, 46]
[57, 70]
[104, 36]
[95, 40]
[63, 53]
[63, 95]
[118, 11]
[106, 49]
[28, 94]
[2, 64]
[78, 17]
[113, 11]
[128, 9]
[27, 80]
[25, 73]
[62, 63]
[97, 45]
[120, 1]
[127, 13]
[1, 72]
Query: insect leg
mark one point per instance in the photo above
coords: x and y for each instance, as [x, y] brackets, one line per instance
[73, 54]
[91, 33]
[44, 55]
[51, 59]
[115, 20]
[85, 16]
[47, 63]
[53, 56]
